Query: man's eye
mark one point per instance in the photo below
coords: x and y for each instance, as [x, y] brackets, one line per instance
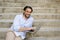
[28, 11]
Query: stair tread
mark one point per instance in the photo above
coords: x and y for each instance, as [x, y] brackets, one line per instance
[41, 29]
[33, 7]
[44, 38]
[31, 14]
[41, 20]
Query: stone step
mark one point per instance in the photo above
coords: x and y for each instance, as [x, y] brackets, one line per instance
[2, 39]
[35, 16]
[17, 10]
[8, 4]
[19, 1]
[1, 0]
[22, 4]
[36, 10]
[21, 7]
[31, 6]
[34, 1]
[5, 24]
[44, 38]
[47, 2]
[42, 29]
[31, 13]
[2, 35]
[45, 33]
[40, 20]
[42, 23]
[27, 1]
[1, 10]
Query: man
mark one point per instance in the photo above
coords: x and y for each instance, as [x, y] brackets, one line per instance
[21, 24]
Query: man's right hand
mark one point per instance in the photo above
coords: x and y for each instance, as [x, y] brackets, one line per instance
[32, 29]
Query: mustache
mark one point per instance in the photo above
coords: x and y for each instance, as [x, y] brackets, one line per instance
[26, 16]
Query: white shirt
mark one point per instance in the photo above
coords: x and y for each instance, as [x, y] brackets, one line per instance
[19, 22]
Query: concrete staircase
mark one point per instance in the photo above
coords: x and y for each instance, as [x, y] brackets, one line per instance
[46, 14]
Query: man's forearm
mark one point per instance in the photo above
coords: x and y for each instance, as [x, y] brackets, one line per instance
[24, 29]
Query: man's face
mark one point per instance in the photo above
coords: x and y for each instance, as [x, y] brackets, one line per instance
[27, 12]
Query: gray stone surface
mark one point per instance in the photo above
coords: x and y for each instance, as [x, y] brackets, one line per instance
[43, 38]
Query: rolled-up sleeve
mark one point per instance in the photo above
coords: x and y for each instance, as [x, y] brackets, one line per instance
[16, 24]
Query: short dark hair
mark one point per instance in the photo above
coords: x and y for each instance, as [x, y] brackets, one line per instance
[28, 7]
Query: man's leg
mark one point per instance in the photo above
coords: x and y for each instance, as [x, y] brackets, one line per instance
[18, 38]
[10, 35]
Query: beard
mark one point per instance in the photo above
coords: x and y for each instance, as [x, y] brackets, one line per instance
[26, 15]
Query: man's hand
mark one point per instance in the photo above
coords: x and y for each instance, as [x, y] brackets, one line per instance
[32, 29]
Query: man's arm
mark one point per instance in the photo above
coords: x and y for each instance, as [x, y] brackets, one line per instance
[25, 29]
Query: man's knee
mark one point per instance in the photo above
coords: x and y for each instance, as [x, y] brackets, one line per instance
[10, 33]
